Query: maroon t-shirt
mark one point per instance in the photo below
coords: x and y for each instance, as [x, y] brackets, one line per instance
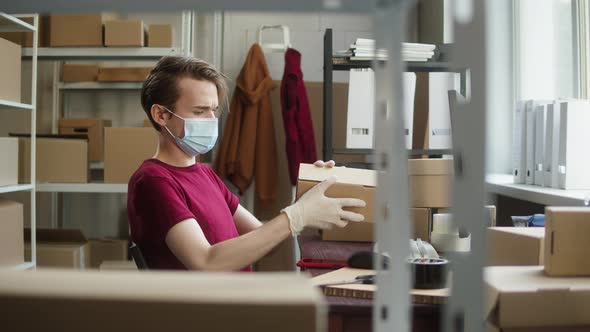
[161, 195]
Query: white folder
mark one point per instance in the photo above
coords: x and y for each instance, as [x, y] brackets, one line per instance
[552, 145]
[439, 118]
[530, 143]
[540, 123]
[518, 142]
[409, 80]
[361, 109]
[574, 137]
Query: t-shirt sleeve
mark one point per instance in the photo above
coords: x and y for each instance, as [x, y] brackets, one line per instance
[161, 201]
[230, 198]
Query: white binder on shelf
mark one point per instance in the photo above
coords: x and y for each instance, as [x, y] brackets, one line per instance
[518, 142]
[361, 109]
[552, 145]
[574, 136]
[529, 176]
[540, 134]
[409, 80]
[439, 122]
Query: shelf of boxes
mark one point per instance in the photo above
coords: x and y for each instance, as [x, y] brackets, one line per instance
[102, 53]
[10, 23]
[503, 184]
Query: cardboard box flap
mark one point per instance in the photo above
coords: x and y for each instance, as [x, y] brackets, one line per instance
[430, 167]
[523, 296]
[354, 176]
[57, 235]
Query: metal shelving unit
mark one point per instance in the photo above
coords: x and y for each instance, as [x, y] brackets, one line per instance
[503, 184]
[99, 86]
[341, 64]
[12, 23]
[102, 53]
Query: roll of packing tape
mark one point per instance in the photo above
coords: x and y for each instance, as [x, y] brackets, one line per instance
[429, 273]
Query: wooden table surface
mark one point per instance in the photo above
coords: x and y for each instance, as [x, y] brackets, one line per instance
[353, 314]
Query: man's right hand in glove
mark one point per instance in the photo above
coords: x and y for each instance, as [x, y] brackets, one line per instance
[316, 210]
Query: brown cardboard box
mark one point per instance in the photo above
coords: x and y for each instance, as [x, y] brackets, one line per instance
[59, 160]
[566, 231]
[159, 35]
[75, 30]
[107, 250]
[124, 301]
[10, 67]
[11, 233]
[124, 33]
[94, 128]
[60, 248]
[117, 266]
[125, 150]
[430, 182]
[79, 73]
[9, 161]
[363, 232]
[515, 245]
[123, 74]
[523, 296]
[352, 182]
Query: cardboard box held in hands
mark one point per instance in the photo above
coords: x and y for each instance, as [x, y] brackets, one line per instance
[352, 183]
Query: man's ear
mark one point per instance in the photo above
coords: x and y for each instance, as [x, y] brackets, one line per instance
[158, 114]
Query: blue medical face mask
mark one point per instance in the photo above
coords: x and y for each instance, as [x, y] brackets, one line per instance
[200, 135]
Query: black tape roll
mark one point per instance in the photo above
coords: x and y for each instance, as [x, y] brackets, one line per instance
[429, 273]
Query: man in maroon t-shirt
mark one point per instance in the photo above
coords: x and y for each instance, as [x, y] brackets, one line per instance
[181, 214]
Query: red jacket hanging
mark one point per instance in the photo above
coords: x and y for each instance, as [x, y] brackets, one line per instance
[300, 141]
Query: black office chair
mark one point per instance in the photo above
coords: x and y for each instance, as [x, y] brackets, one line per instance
[137, 257]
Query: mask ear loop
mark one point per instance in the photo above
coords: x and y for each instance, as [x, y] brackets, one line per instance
[166, 127]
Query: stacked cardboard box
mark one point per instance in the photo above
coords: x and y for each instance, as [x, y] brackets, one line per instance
[11, 233]
[10, 67]
[123, 74]
[516, 245]
[124, 33]
[79, 73]
[567, 245]
[159, 35]
[60, 160]
[93, 128]
[60, 248]
[359, 183]
[125, 150]
[523, 298]
[75, 30]
[107, 250]
[9, 161]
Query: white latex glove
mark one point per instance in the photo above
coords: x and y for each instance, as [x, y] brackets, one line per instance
[316, 210]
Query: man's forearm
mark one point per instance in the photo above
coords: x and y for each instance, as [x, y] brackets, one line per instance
[246, 249]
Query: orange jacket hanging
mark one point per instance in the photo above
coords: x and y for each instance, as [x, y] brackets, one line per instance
[248, 149]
